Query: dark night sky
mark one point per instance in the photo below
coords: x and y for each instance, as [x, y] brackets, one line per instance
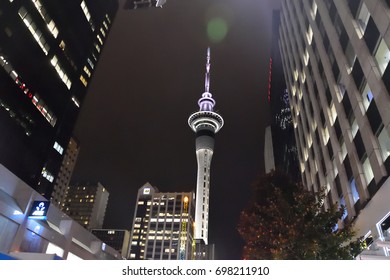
[133, 124]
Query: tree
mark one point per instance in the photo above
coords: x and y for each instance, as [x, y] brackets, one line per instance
[286, 221]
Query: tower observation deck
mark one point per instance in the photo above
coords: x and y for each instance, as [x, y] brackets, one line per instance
[205, 123]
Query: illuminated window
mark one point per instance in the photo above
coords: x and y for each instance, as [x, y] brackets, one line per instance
[90, 63]
[363, 17]
[87, 14]
[355, 193]
[342, 202]
[100, 39]
[309, 35]
[83, 80]
[50, 23]
[382, 56]
[34, 30]
[86, 70]
[62, 45]
[60, 72]
[325, 135]
[97, 47]
[46, 174]
[314, 10]
[108, 18]
[105, 25]
[343, 150]
[102, 31]
[355, 128]
[35, 99]
[333, 113]
[58, 148]
[350, 56]
[368, 170]
[306, 57]
[367, 96]
[53, 29]
[335, 169]
[75, 101]
[384, 143]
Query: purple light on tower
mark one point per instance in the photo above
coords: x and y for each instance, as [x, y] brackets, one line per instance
[205, 123]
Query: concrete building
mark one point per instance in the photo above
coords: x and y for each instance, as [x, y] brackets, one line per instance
[62, 181]
[31, 228]
[335, 57]
[48, 53]
[87, 204]
[163, 225]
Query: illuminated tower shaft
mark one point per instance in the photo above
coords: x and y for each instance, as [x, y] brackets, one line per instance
[205, 123]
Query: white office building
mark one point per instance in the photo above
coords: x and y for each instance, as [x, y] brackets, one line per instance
[163, 225]
[335, 57]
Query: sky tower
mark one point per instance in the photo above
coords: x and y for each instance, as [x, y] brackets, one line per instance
[205, 123]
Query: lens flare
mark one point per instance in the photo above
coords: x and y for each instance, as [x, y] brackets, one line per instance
[217, 29]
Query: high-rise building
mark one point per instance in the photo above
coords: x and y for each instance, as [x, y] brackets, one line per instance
[205, 123]
[162, 225]
[48, 53]
[280, 150]
[65, 174]
[87, 204]
[118, 239]
[138, 4]
[335, 57]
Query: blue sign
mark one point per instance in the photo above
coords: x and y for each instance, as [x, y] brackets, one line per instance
[39, 210]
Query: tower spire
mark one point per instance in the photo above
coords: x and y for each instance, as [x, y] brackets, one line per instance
[206, 102]
[207, 79]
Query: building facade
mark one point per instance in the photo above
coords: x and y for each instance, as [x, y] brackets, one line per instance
[62, 181]
[205, 123]
[163, 225]
[335, 57]
[118, 239]
[280, 150]
[87, 204]
[48, 53]
[33, 229]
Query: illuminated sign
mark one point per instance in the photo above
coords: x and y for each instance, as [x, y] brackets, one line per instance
[39, 210]
[146, 190]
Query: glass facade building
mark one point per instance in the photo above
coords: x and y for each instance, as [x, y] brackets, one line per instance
[48, 53]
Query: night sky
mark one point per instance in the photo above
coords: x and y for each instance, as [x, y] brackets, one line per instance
[133, 125]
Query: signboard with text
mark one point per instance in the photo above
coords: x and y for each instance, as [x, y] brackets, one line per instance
[39, 210]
